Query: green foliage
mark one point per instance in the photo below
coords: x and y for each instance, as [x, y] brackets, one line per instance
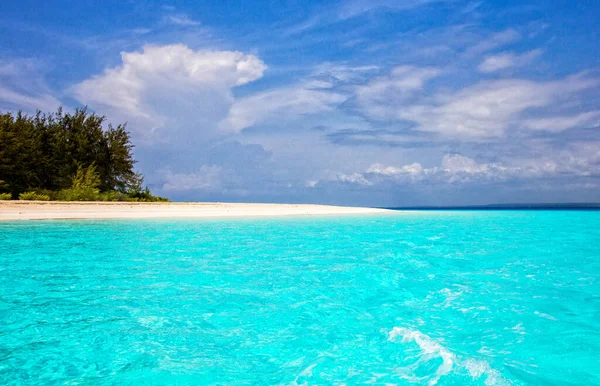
[137, 193]
[77, 194]
[5, 196]
[112, 196]
[84, 186]
[86, 177]
[69, 156]
[47, 192]
[33, 196]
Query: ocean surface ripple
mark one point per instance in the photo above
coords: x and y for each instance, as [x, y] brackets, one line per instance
[469, 297]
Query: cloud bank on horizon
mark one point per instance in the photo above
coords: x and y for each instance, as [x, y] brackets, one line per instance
[383, 103]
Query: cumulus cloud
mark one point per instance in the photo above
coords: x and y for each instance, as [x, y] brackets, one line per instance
[171, 85]
[456, 167]
[453, 168]
[460, 169]
[505, 60]
[414, 169]
[355, 178]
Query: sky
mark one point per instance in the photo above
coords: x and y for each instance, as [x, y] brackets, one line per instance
[351, 102]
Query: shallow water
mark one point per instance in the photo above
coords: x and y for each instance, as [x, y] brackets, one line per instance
[510, 297]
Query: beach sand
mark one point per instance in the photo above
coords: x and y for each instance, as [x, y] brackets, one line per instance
[46, 210]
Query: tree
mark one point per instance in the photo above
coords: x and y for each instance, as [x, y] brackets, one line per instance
[19, 153]
[61, 151]
[117, 167]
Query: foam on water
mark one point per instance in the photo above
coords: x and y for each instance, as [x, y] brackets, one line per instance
[478, 369]
[432, 349]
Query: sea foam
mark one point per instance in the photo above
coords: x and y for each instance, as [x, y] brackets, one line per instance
[432, 349]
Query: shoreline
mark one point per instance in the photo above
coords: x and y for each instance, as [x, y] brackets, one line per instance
[92, 210]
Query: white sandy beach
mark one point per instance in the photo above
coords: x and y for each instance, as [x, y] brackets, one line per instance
[46, 210]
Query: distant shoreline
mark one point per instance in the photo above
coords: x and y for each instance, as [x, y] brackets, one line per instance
[81, 210]
[551, 206]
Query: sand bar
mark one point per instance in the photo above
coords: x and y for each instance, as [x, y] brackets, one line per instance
[54, 210]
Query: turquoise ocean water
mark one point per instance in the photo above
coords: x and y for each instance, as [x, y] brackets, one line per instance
[471, 297]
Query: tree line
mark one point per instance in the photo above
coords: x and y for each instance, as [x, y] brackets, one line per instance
[64, 156]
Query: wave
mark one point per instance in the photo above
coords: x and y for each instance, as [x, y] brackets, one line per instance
[430, 350]
[433, 350]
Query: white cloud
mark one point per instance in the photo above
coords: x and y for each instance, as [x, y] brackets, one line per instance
[354, 178]
[345, 73]
[348, 9]
[181, 20]
[171, 85]
[482, 111]
[490, 108]
[354, 8]
[507, 60]
[282, 105]
[308, 24]
[456, 163]
[494, 41]
[560, 123]
[453, 168]
[458, 168]
[413, 169]
[381, 96]
[311, 183]
[497, 62]
[22, 87]
[582, 161]
[486, 109]
[11, 100]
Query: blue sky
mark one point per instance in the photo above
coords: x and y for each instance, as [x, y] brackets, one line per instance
[383, 103]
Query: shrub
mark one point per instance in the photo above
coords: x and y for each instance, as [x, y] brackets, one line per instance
[84, 187]
[143, 195]
[112, 196]
[78, 194]
[86, 177]
[33, 196]
[45, 192]
[5, 196]
[156, 199]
